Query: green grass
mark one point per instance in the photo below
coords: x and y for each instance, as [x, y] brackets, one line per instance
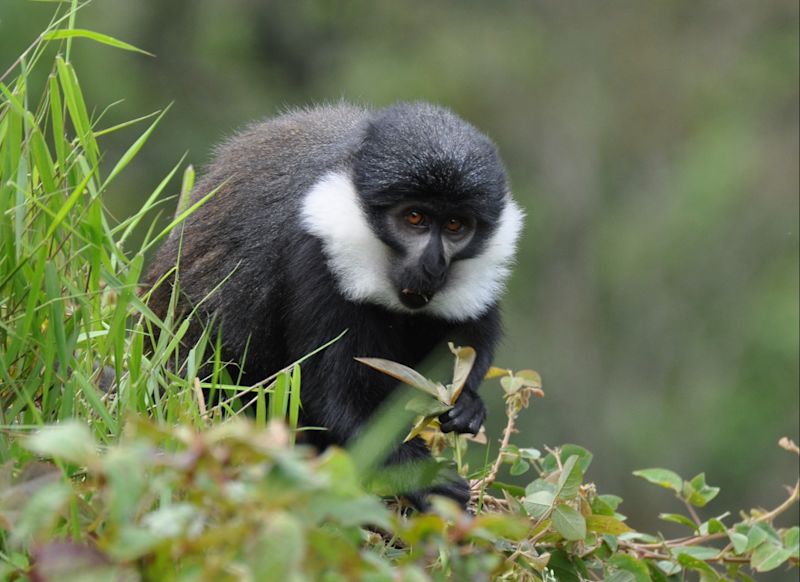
[77, 339]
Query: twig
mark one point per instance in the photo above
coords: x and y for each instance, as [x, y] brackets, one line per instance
[649, 550]
[693, 513]
[492, 475]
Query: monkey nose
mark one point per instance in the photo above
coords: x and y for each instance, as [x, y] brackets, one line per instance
[414, 299]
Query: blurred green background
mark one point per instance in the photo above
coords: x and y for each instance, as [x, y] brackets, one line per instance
[654, 146]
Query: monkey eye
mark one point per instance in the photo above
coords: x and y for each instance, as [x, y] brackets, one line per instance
[454, 225]
[415, 218]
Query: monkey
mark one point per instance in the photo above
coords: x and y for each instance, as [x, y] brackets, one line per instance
[397, 224]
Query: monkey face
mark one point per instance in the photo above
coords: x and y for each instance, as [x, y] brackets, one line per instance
[425, 240]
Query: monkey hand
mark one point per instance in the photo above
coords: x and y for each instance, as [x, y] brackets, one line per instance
[467, 415]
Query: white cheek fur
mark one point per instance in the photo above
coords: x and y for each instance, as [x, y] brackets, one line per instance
[360, 261]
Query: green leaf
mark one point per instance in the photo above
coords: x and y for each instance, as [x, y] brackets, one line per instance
[424, 405]
[550, 464]
[755, 537]
[134, 148]
[538, 503]
[569, 522]
[512, 527]
[570, 479]
[678, 518]
[605, 504]
[520, 467]
[95, 36]
[712, 526]
[661, 477]
[707, 573]
[791, 540]
[697, 492]
[768, 556]
[71, 441]
[43, 509]
[699, 552]
[739, 542]
[279, 399]
[629, 565]
[605, 524]
[540, 485]
[531, 378]
[564, 566]
[669, 568]
[529, 453]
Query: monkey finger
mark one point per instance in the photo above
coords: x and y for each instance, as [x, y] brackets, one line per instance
[460, 423]
[475, 424]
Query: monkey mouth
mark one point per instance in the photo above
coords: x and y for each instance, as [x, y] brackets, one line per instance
[414, 299]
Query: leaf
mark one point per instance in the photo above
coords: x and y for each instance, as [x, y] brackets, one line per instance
[420, 425]
[529, 453]
[564, 566]
[530, 378]
[520, 467]
[465, 359]
[570, 479]
[511, 384]
[71, 441]
[538, 503]
[404, 374]
[605, 504]
[426, 406]
[540, 485]
[550, 464]
[669, 568]
[629, 565]
[495, 372]
[739, 542]
[755, 537]
[791, 540]
[678, 518]
[768, 556]
[697, 492]
[134, 148]
[66, 560]
[569, 522]
[95, 36]
[707, 573]
[43, 509]
[661, 477]
[712, 526]
[284, 531]
[605, 524]
[699, 552]
[512, 527]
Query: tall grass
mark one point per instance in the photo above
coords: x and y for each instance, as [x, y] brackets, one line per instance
[77, 338]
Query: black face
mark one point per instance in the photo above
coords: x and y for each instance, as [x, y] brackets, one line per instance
[433, 188]
[426, 241]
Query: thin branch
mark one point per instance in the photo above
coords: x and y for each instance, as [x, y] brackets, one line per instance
[492, 475]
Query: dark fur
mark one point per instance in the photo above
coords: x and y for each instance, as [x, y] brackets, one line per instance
[281, 296]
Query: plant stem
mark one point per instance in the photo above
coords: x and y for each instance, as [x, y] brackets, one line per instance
[507, 432]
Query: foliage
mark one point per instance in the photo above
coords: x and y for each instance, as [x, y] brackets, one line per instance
[239, 502]
[134, 472]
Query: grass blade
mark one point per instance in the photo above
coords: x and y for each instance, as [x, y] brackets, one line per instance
[67, 33]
